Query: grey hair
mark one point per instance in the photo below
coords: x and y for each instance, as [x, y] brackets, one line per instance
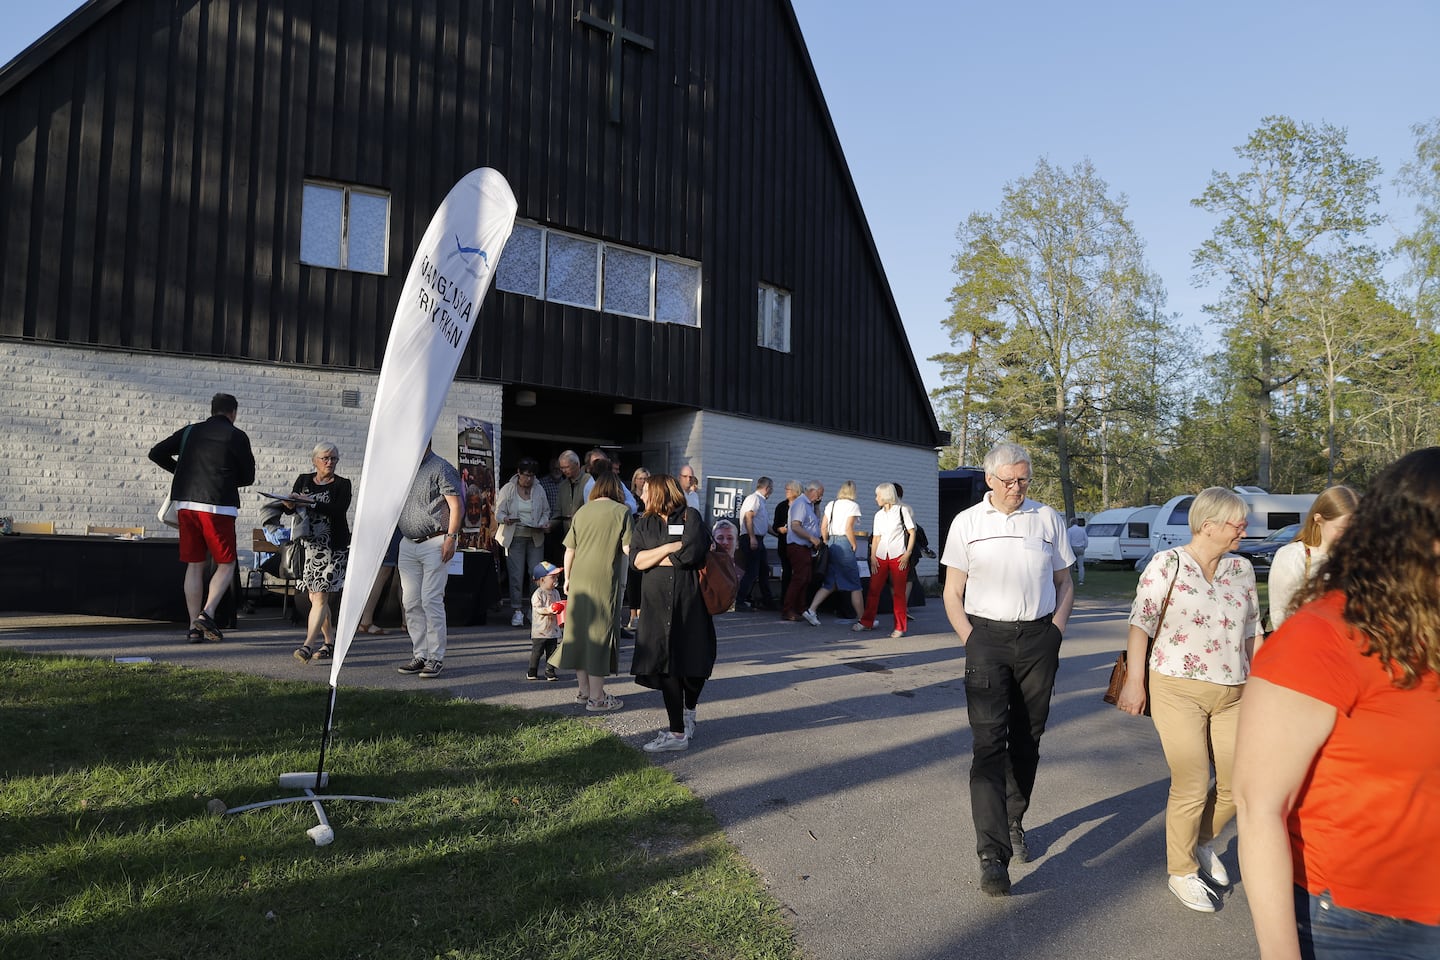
[1005, 454]
[813, 485]
[793, 485]
[885, 493]
[1218, 504]
[324, 446]
[568, 456]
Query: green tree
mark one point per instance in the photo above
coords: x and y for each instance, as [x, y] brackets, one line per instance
[1301, 196]
[1044, 284]
[1349, 336]
[1420, 247]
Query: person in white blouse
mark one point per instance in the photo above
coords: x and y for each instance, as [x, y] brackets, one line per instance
[892, 541]
[1296, 562]
[1199, 603]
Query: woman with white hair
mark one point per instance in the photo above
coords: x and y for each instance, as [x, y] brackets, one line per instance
[325, 496]
[892, 541]
[1199, 604]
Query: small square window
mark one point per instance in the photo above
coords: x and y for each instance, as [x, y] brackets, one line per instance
[571, 270]
[519, 267]
[677, 292]
[627, 282]
[774, 318]
[344, 228]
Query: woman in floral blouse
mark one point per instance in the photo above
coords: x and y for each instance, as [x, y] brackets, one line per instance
[1197, 669]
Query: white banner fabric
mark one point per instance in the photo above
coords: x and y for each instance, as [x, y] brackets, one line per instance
[447, 282]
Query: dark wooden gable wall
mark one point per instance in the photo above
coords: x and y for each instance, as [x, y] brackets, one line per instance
[151, 167]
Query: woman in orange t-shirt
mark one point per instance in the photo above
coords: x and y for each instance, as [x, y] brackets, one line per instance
[1337, 763]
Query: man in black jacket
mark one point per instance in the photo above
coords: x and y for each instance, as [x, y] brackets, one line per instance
[211, 462]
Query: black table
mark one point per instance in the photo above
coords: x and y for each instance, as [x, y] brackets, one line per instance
[98, 576]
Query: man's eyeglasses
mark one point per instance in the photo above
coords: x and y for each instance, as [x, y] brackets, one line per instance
[1021, 482]
[329, 459]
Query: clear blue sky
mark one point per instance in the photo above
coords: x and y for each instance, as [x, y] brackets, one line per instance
[940, 103]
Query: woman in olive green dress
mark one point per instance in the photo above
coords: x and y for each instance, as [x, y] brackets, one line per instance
[595, 558]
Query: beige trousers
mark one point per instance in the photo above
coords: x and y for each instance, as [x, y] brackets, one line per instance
[1196, 720]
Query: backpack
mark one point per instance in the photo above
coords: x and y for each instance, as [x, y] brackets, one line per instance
[718, 582]
[922, 542]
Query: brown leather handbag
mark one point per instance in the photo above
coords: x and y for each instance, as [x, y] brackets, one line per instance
[1117, 672]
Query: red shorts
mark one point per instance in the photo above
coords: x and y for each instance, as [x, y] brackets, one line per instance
[204, 535]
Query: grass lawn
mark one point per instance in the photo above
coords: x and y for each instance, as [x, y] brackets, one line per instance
[516, 835]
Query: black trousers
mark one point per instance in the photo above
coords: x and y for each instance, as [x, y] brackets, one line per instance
[1009, 675]
[681, 694]
[757, 571]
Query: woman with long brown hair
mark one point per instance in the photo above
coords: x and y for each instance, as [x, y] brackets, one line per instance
[1339, 743]
[675, 645]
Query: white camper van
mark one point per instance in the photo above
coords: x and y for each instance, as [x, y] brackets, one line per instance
[1268, 513]
[1121, 535]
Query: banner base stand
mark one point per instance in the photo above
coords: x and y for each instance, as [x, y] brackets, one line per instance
[322, 833]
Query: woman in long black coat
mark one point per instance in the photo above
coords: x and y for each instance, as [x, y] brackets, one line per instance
[675, 643]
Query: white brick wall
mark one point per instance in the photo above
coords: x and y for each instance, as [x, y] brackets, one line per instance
[720, 445]
[76, 425]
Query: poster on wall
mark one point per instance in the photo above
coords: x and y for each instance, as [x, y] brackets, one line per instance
[475, 459]
[723, 497]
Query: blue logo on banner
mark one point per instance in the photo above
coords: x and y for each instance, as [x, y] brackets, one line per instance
[468, 255]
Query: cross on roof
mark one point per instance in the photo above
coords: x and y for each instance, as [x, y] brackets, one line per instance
[619, 36]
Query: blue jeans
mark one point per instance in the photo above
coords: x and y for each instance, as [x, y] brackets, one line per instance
[1328, 932]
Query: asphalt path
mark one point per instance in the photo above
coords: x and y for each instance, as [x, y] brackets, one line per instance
[837, 763]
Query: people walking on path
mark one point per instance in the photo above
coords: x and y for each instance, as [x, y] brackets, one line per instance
[1008, 596]
[1197, 613]
[211, 461]
[892, 543]
[1339, 742]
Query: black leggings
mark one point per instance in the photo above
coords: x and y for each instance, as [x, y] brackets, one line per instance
[681, 693]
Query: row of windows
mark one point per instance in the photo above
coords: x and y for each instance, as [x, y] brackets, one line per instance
[563, 268]
[348, 228]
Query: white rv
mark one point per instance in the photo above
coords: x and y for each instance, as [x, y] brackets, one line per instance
[1121, 535]
[1268, 512]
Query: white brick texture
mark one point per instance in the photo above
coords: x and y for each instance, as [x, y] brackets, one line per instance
[76, 426]
[720, 445]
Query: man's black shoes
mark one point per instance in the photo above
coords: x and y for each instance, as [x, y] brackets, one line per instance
[1018, 850]
[994, 877]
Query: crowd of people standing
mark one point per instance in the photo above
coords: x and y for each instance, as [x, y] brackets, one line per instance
[1322, 739]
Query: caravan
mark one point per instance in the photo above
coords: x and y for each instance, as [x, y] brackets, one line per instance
[1121, 535]
[1268, 512]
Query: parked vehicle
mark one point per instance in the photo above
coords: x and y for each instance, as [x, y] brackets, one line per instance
[1261, 555]
[1268, 513]
[1121, 535]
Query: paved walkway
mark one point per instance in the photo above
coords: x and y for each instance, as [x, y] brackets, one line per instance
[837, 763]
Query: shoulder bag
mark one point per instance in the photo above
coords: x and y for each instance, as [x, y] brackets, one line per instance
[169, 514]
[1117, 672]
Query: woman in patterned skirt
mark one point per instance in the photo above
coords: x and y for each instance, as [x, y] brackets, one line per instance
[325, 497]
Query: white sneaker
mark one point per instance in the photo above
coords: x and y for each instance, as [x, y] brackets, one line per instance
[1211, 868]
[666, 742]
[518, 620]
[689, 724]
[1191, 891]
[810, 618]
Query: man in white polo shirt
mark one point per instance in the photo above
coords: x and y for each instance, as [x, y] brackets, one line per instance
[1008, 595]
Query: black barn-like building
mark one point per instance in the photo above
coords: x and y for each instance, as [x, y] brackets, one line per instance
[245, 181]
